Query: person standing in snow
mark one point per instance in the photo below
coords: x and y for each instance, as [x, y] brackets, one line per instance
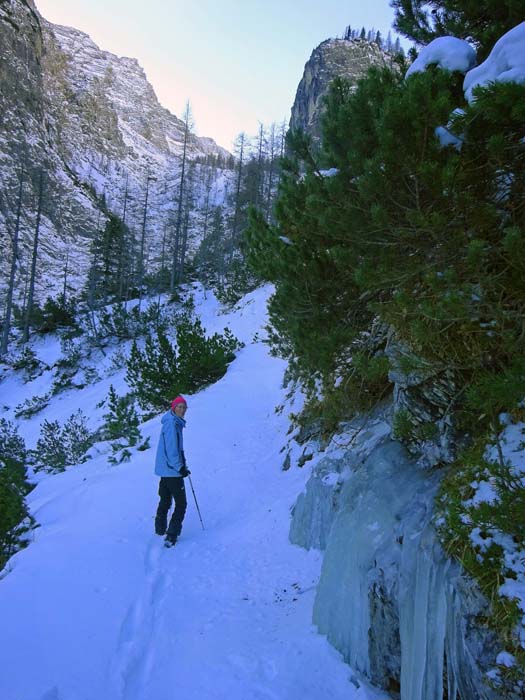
[170, 465]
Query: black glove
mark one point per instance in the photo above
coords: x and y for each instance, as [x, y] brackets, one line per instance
[184, 471]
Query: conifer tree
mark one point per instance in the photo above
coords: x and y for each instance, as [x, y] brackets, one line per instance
[13, 489]
[482, 22]
[121, 425]
[402, 233]
[240, 146]
[109, 257]
[121, 419]
[210, 257]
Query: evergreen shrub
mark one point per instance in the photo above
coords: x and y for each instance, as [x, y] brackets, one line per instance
[60, 446]
[124, 322]
[55, 314]
[121, 425]
[28, 362]
[160, 371]
[13, 489]
[31, 406]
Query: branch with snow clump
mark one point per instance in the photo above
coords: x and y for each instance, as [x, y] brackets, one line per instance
[505, 63]
[448, 53]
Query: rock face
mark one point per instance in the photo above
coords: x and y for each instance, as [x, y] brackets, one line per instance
[92, 122]
[402, 614]
[334, 58]
[423, 399]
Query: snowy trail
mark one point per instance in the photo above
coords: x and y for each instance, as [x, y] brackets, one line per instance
[98, 609]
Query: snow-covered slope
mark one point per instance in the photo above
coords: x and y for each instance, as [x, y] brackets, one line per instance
[96, 609]
[92, 123]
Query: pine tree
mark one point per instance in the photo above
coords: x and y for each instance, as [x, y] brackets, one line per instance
[13, 489]
[60, 446]
[240, 146]
[110, 254]
[121, 419]
[121, 424]
[421, 241]
[52, 452]
[189, 205]
[482, 22]
[159, 372]
[210, 257]
[272, 167]
[153, 373]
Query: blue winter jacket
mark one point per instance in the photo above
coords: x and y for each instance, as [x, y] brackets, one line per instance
[170, 450]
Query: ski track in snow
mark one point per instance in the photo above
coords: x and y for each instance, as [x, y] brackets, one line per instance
[103, 611]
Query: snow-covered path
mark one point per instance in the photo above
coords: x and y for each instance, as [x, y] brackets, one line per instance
[97, 609]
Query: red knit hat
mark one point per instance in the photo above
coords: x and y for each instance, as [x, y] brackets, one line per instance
[177, 401]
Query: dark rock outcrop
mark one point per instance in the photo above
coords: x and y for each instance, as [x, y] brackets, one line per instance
[334, 58]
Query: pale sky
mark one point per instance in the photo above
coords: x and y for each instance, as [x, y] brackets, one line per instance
[237, 61]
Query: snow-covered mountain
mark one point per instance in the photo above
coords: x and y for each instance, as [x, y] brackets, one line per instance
[92, 122]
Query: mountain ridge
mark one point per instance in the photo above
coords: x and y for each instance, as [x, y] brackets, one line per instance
[93, 123]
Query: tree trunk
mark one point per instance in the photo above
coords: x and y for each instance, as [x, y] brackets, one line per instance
[184, 244]
[29, 307]
[143, 239]
[176, 244]
[123, 244]
[237, 197]
[10, 289]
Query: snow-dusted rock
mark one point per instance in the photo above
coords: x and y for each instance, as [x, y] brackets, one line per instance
[446, 134]
[448, 53]
[92, 121]
[504, 64]
[447, 138]
[330, 172]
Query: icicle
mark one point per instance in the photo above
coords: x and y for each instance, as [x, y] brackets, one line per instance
[422, 617]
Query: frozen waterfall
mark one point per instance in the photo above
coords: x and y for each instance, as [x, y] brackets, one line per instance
[389, 599]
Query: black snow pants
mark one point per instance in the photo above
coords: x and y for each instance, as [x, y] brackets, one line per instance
[171, 487]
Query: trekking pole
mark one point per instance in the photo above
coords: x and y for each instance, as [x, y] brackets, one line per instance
[195, 497]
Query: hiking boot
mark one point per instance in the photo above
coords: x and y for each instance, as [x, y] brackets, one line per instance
[160, 527]
[169, 541]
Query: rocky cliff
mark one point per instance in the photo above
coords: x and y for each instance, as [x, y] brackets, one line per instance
[333, 58]
[92, 122]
